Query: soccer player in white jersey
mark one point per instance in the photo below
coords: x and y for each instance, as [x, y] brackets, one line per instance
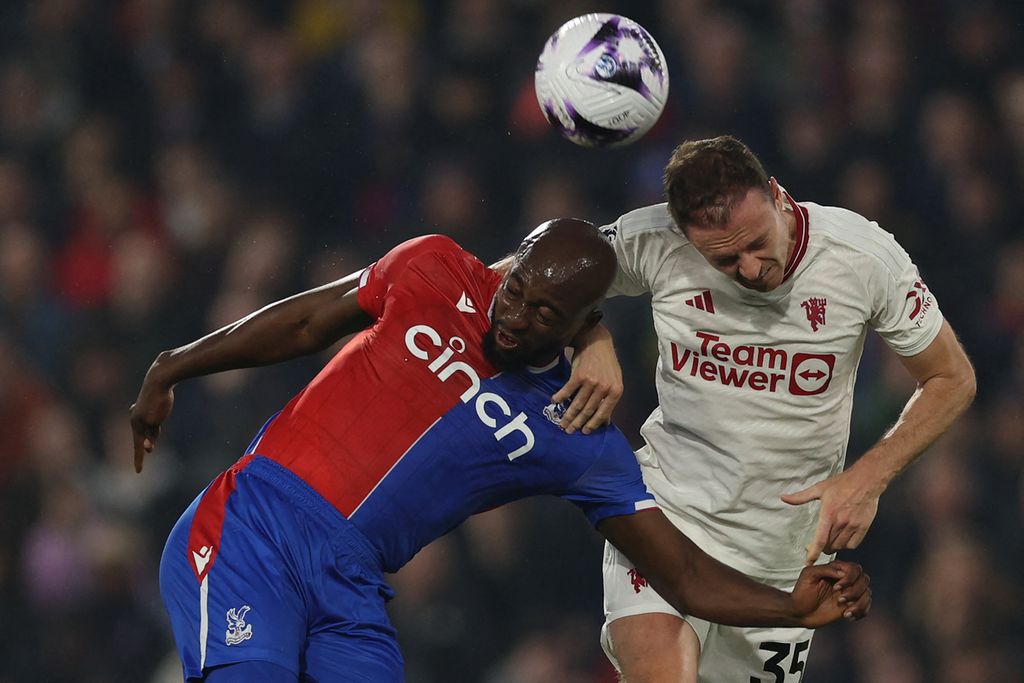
[761, 306]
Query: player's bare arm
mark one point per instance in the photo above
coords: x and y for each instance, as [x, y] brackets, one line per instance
[596, 381]
[297, 326]
[849, 501]
[697, 584]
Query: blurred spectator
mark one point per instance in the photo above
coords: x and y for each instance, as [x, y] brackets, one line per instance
[55, 566]
[960, 602]
[37, 317]
[1009, 288]
[1009, 96]
[195, 199]
[17, 193]
[22, 394]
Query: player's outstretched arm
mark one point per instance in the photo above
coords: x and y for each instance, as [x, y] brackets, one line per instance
[293, 327]
[697, 584]
[849, 500]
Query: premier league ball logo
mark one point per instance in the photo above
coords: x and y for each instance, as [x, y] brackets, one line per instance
[601, 80]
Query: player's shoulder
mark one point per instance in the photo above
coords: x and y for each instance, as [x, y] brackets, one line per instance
[430, 265]
[649, 222]
[609, 451]
[438, 251]
[436, 245]
[853, 238]
[647, 235]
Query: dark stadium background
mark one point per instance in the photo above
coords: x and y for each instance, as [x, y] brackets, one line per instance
[166, 167]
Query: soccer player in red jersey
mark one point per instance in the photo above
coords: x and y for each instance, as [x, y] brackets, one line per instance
[437, 409]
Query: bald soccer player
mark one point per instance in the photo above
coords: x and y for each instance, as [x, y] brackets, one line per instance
[437, 409]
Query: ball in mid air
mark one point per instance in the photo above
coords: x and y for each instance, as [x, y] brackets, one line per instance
[601, 80]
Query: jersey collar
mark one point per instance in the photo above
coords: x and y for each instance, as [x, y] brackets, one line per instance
[538, 369]
[801, 237]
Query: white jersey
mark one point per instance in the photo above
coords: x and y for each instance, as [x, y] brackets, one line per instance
[755, 389]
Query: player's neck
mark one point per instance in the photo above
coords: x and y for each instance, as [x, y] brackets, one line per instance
[789, 216]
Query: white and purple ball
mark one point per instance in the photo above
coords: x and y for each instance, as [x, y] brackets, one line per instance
[601, 80]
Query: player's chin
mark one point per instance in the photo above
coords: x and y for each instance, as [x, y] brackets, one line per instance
[771, 279]
[503, 359]
[764, 285]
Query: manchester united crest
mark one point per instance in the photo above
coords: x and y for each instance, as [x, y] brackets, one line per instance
[815, 309]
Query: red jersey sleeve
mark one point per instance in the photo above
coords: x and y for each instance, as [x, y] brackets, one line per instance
[378, 278]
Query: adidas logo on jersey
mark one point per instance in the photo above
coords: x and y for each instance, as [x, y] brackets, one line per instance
[702, 302]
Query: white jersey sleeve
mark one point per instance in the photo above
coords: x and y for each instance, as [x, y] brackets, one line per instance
[906, 313]
[640, 259]
[902, 309]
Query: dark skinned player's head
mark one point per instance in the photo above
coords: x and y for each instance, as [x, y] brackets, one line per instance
[558, 277]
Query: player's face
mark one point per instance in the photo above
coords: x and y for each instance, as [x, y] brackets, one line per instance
[534, 318]
[753, 247]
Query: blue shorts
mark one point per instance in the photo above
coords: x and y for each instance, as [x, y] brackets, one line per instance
[261, 568]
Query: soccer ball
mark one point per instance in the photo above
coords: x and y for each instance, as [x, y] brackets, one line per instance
[601, 80]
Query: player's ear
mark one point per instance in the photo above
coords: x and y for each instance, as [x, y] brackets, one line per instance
[776, 192]
[593, 318]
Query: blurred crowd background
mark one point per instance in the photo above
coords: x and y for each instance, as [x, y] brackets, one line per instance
[168, 166]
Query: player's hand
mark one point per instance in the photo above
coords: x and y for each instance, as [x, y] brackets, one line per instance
[849, 502]
[149, 411]
[596, 380]
[828, 592]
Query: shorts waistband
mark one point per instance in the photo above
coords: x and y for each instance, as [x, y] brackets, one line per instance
[343, 531]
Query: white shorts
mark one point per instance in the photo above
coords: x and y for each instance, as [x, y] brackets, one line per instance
[727, 653]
